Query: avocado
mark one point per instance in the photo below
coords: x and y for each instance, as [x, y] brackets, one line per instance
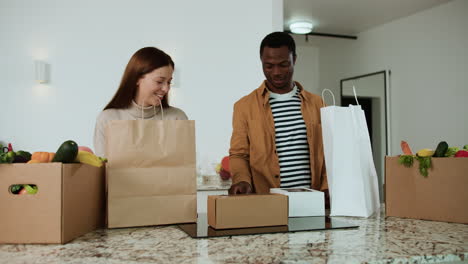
[441, 149]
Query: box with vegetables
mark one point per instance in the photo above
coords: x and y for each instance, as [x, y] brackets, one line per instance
[50, 197]
[429, 185]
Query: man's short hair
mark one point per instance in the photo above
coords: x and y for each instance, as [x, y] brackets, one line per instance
[277, 40]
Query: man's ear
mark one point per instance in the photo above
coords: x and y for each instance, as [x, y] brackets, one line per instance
[294, 59]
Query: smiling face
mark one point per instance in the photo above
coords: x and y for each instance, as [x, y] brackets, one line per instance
[278, 67]
[153, 86]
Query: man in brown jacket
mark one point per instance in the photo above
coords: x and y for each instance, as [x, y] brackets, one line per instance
[277, 135]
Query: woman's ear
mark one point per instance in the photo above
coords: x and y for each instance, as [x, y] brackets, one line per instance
[140, 78]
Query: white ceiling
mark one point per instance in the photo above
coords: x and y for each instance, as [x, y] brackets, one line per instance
[350, 17]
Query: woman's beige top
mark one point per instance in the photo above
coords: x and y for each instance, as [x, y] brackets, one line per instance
[134, 112]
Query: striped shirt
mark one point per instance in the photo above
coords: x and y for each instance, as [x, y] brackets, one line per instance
[291, 139]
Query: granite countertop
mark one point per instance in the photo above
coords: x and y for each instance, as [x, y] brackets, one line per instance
[213, 183]
[212, 187]
[377, 240]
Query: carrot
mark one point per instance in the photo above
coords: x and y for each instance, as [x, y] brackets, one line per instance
[406, 148]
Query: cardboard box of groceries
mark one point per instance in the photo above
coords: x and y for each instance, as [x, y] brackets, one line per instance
[303, 201]
[252, 210]
[69, 202]
[441, 196]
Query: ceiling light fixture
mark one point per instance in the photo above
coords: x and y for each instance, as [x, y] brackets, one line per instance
[301, 27]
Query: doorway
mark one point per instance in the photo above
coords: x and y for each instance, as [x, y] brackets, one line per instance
[366, 105]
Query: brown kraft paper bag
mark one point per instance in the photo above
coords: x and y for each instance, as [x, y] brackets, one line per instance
[151, 172]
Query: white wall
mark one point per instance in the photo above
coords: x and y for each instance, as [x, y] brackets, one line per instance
[88, 43]
[428, 57]
[306, 70]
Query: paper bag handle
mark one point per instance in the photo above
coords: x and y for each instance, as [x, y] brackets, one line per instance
[328, 90]
[355, 96]
[323, 99]
[154, 108]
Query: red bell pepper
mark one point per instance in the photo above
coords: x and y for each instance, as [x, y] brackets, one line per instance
[461, 154]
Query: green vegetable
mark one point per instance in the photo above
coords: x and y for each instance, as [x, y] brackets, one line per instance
[406, 160]
[7, 157]
[11, 154]
[465, 147]
[15, 188]
[31, 189]
[441, 149]
[451, 151]
[24, 154]
[67, 152]
[425, 164]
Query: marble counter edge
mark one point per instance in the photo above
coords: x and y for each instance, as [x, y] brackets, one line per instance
[213, 187]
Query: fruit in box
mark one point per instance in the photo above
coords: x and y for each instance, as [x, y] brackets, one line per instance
[223, 169]
[225, 164]
[89, 158]
[461, 154]
[84, 148]
[67, 152]
[224, 175]
[42, 157]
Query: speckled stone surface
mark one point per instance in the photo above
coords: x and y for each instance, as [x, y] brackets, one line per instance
[378, 240]
[213, 185]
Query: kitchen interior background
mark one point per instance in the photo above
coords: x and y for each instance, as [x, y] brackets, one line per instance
[215, 44]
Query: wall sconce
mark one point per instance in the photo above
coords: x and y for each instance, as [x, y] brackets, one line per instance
[41, 71]
[302, 27]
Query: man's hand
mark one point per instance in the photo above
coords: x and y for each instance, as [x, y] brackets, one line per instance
[240, 188]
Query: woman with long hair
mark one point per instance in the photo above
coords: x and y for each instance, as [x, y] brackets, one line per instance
[143, 89]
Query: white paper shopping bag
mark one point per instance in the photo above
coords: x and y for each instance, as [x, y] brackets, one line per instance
[352, 178]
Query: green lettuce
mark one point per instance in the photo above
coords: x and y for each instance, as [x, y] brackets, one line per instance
[31, 189]
[451, 151]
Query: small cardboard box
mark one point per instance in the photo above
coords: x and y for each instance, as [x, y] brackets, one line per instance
[253, 210]
[303, 201]
[442, 196]
[68, 204]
